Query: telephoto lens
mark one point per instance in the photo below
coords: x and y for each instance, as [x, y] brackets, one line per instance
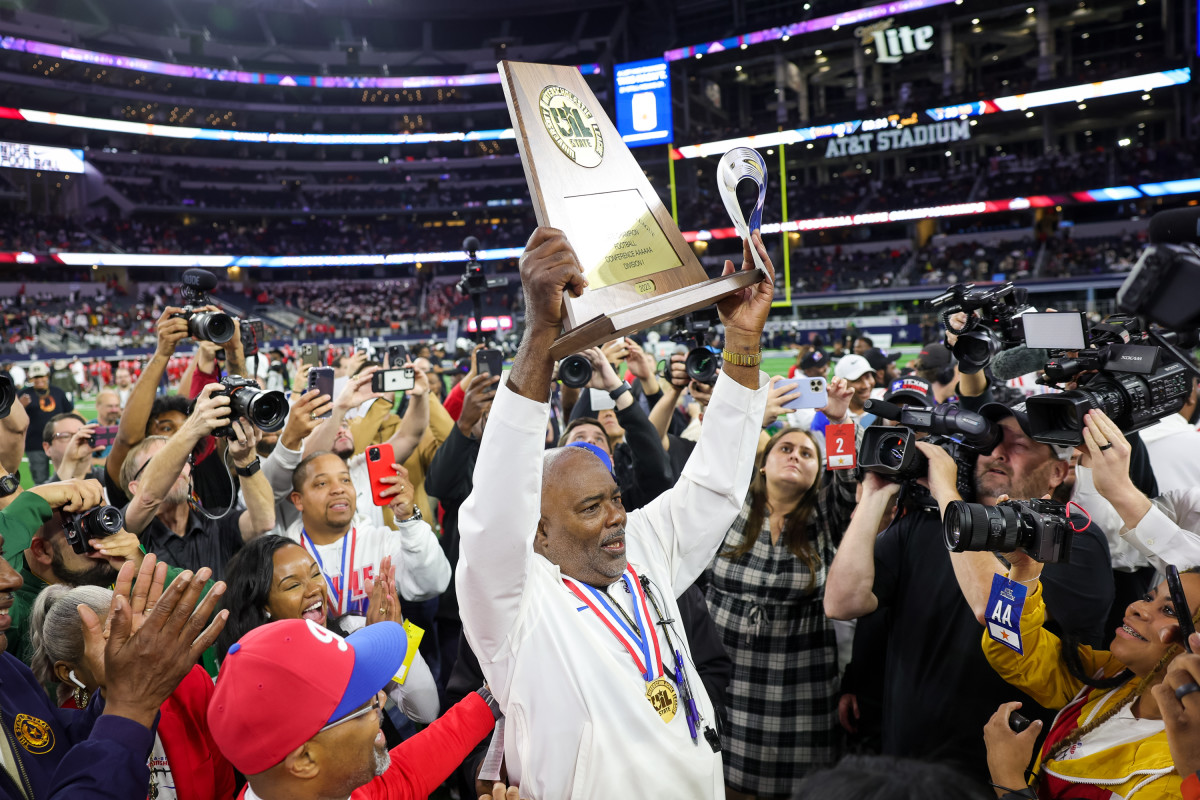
[575, 371]
[210, 326]
[266, 411]
[1039, 527]
[701, 365]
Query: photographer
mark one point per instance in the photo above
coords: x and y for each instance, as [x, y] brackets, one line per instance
[42, 402]
[159, 510]
[67, 442]
[939, 689]
[284, 454]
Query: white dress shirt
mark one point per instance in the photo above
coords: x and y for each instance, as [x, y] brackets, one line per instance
[1170, 531]
[1174, 446]
[578, 724]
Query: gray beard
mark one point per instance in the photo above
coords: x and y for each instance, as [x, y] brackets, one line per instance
[383, 760]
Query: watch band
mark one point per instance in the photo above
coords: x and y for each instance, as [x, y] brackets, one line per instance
[489, 698]
[620, 390]
[742, 359]
[417, 516]
[248, 470]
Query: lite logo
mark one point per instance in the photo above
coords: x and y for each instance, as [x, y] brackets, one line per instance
[893, 44]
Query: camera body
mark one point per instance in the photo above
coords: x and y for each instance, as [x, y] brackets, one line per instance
[702, 364]
[892, 453]
[265, 410]
[997, 326]
[1039, 527]
[95, 523]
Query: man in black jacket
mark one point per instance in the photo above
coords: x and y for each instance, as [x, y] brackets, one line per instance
[449, 480]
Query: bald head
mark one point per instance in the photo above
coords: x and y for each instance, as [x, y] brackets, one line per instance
[582, 525]
[108, 407]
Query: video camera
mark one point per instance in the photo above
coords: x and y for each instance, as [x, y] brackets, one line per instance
[474, 283]
[1121, 372]
[208, 326]
[266, 411]
[1039, 527]
[996, 327]
[95, 523]
[892, 451]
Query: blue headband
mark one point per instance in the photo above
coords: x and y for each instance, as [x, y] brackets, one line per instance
[596, 451]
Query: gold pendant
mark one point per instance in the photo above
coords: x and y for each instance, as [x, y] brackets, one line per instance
[662, 697]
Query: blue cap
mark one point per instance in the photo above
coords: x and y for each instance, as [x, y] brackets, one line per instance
[379, 651]
[596, 451]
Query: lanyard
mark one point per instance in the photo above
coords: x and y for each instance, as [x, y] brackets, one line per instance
[596, 600]
[340, 599]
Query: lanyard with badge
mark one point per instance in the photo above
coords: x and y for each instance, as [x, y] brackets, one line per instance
[341, 600]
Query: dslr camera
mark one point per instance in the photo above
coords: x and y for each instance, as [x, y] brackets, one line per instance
[207, 326]
[95, 523]
[892, 451]
[1039, 527]
[266, 411]
[1132, 383]
[702, 363]
[996, 327]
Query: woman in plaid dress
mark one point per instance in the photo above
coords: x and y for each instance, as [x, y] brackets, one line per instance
[765, 591]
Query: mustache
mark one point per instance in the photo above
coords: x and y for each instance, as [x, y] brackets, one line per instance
[612, 537]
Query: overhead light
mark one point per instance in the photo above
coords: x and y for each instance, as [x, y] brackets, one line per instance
[744, 46]
[738, 68]
[817, 52]
[786, 37]
[975, 21]
[1028, 114]
[1029, 10]
[1124, 142]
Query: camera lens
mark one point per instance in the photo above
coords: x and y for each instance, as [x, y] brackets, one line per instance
[575, 371]
[975, 349]
[102, 521]
[891, 451]
[701, 365]
[211, 326]
[976, 527]
[267, 410]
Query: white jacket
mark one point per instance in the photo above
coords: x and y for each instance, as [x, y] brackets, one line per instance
[578, 724]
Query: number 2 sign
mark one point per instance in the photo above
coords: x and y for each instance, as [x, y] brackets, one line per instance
[839, 446]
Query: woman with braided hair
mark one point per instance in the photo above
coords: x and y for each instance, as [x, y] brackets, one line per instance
[1109, 740]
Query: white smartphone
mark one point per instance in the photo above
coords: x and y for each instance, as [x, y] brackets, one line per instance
[813, 392]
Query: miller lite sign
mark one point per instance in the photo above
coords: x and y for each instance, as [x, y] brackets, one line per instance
[893, 44]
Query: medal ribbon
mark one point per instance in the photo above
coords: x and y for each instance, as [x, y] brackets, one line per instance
[341, 600]
[597, 601]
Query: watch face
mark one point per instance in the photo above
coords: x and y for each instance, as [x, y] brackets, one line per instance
[9, 484]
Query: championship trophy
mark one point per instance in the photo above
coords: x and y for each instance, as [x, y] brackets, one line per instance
[585, 182]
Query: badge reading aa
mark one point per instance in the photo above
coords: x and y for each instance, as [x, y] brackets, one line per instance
[34, 734]
[571, 126]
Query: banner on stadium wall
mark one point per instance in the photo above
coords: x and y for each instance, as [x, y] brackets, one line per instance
[15, 155]
[899, 139]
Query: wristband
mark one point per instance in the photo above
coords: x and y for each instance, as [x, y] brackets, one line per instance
[489, 698]
[620, 390]
[742, 359]
[248, 470]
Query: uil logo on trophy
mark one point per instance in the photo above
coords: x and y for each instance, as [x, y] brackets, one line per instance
[639, 268]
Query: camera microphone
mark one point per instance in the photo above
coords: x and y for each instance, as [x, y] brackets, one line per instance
[883, 409]
[1178, 226]
[470, 245]
[1018, 361]
[200, 279]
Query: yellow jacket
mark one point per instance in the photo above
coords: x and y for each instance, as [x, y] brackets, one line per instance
[1141, 769]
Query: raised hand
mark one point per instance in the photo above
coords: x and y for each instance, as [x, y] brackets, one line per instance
[402, 493]
[745, 312]
[837, 398]
[170, 331]
[71, 496]
[777, 396]
[211, 412]
[479, 393]
[384, 602]
[304, 417]
[549, 267]
[243, 443]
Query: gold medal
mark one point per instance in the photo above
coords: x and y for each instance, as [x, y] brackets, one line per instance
[662, 697]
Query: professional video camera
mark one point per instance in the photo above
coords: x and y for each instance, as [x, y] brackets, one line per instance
[1039, 527]
[892, 451]
[208, 326]
[702, 363]
[8, 394]
[266, 411]
[1121, 372]
[95, 523]
[1162, 285]
[474, 283]
[996, 327]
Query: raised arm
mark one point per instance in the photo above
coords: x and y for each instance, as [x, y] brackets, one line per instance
[849, 587]
[415, 421]
[259, 516]
[356, 392]
[132, 429]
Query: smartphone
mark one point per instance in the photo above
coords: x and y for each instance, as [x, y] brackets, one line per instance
[380, 464]
[321, 378]
[104, 436]
[813, 393]
[254, 332]
[397, 355]
[394, 380]
[1183, 611]
[308, 354]
[362, 344]
[490, 361]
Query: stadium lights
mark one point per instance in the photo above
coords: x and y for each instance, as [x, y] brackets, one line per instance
[1108, 194]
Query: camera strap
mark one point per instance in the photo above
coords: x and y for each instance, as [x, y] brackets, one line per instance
[1004, 607]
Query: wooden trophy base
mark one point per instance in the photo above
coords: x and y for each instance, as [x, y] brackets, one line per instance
[615, 324]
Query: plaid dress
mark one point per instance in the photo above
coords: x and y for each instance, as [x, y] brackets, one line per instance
[782, 709]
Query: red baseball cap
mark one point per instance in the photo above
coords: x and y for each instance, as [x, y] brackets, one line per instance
[284, 681]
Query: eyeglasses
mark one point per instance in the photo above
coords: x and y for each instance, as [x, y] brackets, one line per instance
[375, 705]
[62, 436]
